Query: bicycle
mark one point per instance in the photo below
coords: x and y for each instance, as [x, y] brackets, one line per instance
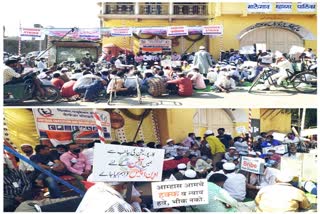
[304, 81]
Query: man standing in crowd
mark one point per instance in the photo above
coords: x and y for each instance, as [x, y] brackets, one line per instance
[190, 140]
[171, 150]
[217, 148]
[224, 138]
[202, 60]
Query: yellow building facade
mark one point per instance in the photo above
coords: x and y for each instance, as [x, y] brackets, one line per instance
[278, 30]
[162, 124]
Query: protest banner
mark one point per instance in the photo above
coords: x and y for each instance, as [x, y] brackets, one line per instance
[254, 165]
[241, 129]
[210, 30]
[169, 63]
[249, 49]
[278, 136]
[126, 163]
[261, 46]
[58, 125]
[283, 7]
[31, 34]
[89, 34]
[281, 149]
[125, 31]
[179, 193]
[296, 49]
[261, 7]
[177, 31]
[163, 44]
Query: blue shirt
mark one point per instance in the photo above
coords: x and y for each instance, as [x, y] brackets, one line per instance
[265, 144]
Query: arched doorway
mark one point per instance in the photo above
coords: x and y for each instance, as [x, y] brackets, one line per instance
[213, 119]
[275, 38]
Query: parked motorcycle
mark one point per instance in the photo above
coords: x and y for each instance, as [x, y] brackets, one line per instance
[27, 90]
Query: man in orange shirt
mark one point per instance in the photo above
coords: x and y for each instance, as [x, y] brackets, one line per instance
[56, 81]
[184, 85]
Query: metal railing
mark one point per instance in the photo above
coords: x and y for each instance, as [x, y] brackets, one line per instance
[200, 9]
[154, 8]
[125, 8]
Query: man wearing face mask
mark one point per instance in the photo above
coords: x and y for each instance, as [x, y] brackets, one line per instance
[110, 198]
[76, 163]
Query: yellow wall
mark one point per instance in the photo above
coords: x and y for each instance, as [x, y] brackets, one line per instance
[131, 42]
[234, 24]
[280, 122]
[234, 18]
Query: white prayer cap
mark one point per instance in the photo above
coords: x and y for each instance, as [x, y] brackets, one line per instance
[169, 140]
[224, 161]
[211, 69]
[284, 177]
[202, 47]
[115, 183]
[252, 153]
[229, 166]
[232, 147]
[208, 132]
[64, 69]
[195, 67]
[156, 63]
[278, 54]
[182, 166]
[25, 144]
[258, 153]
[190, 173]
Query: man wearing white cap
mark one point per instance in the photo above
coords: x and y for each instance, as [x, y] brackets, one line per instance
[225, 83]
[230, 154]
[202, 60]
[283, 64]
[236, 182]
[217, 148]
[181, 171]
[190, 174]
[171, 150]
[105, 197]
[281, 197]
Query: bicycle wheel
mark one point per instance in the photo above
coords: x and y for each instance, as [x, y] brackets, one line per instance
[260, 78]
[305, 82]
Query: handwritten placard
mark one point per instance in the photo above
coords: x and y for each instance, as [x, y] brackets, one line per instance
[254, 165]
[281, 149]
[127, 163]
[179, 193]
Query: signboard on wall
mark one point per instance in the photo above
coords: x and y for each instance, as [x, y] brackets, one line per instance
[262, 7]
[127, 163]
[306, 6]
[179, 193]
[61, 125]
[283, 7]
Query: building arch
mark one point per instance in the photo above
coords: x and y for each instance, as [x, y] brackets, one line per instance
[276, 35]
